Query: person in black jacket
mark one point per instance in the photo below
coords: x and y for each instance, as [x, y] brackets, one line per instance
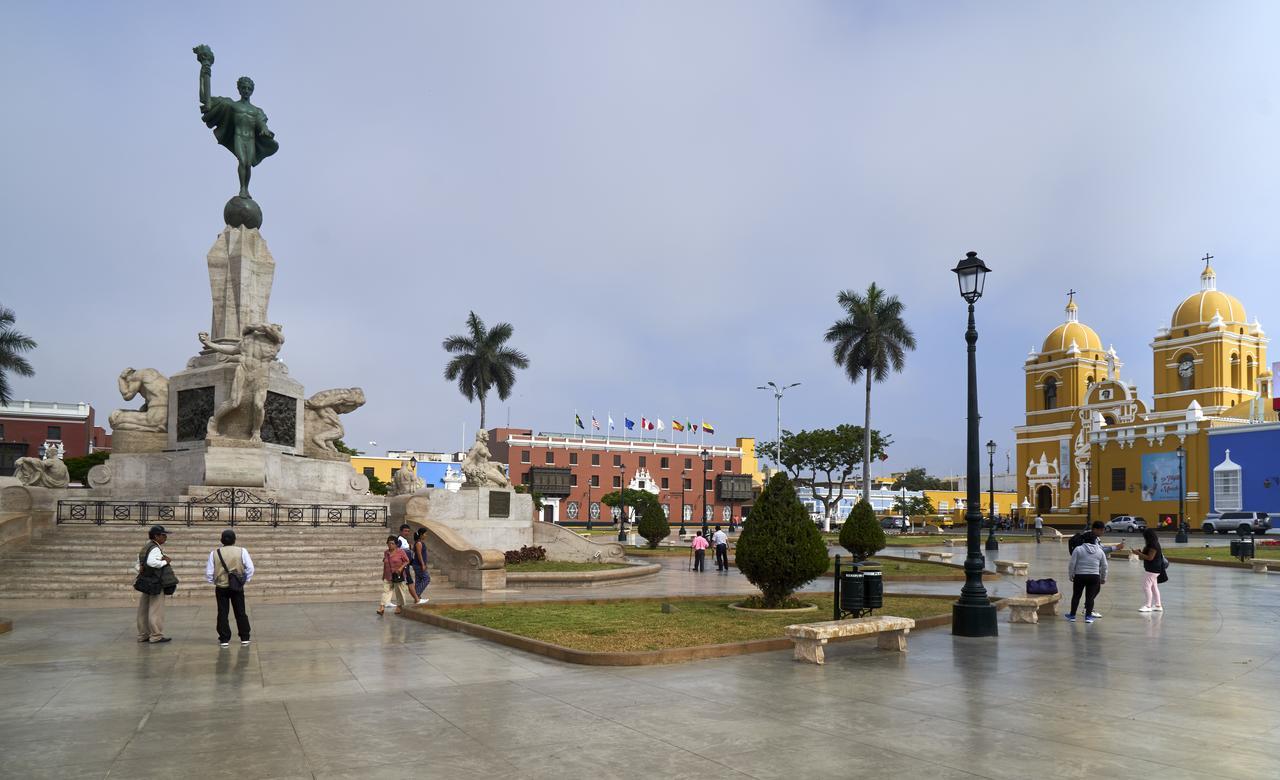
[151, 560]
[1153, 564]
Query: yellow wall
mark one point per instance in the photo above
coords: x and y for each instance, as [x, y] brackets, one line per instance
[750, 463]
[1004, 501]
[383, 468]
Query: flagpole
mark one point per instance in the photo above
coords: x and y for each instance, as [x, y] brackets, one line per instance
[608, 426]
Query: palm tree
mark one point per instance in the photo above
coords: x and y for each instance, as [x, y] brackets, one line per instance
[11, 344]
[482, 360]
[869, 340]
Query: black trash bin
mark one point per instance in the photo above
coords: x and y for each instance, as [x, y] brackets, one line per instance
[851, 591]
[1242, 548]
[872, 587]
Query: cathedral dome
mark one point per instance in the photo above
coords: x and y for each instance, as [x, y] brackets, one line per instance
[1202, 306]
[1061, 338]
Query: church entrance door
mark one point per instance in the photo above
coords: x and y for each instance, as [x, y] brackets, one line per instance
[1044, 500]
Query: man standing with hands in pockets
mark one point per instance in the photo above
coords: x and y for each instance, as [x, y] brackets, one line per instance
[229, 569]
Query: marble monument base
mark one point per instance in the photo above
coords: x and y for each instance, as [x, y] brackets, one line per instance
[196, 392]
[487, 518]
[138, 441]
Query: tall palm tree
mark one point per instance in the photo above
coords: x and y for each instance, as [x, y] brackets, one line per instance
[12, 343]
[482, 360]
[869, 340]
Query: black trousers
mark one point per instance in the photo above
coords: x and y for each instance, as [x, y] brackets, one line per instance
[235, 599]
[1087, 585]
[699, 560]
[722, 557]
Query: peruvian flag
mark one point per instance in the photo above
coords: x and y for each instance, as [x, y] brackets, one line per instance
[646, 424]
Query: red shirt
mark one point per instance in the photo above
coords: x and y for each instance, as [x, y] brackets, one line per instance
[393, 562]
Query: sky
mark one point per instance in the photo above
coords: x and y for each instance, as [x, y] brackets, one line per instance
[663, 198]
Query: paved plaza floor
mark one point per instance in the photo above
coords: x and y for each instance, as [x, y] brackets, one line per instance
[331, 690]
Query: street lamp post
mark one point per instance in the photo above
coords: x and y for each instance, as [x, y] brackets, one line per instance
[993, 545]
[777, 419]
[706, 463]
[1181, 538]
[973, 615]
[588, 503]
[622, 503]
[1088, 497]
[682, 508]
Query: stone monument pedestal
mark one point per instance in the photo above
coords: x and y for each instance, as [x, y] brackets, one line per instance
[196, 392]
[487, 518]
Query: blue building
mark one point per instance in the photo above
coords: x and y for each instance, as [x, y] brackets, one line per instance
[1244, 468]
[432, 472]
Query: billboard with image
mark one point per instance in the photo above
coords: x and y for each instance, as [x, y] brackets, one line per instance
[1160, 477]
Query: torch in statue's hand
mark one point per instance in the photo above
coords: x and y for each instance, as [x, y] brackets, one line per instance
[204, 55]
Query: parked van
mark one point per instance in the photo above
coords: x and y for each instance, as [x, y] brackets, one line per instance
[1228, 522]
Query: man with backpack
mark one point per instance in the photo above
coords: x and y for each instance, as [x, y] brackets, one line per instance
[1092, 536]
[229, 569]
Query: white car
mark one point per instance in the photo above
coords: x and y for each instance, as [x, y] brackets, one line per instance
[1126, 524]
[1227, 522]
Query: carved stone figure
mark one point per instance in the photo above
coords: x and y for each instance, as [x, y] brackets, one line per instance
[321, 425]
[154, 389]
[258, 347]
[48, 473]
[406, 480]
[477, 467]
[241, 127]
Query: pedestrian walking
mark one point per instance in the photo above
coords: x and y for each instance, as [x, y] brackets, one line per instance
[403, 541]
[1088, 573]
[721, 541]
[699, 552]
[151, 563]
[1153, 565]
[421, 577]
[229, 569]
[1039, 528]
[394, 591]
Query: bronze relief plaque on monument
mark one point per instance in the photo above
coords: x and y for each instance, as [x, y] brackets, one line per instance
[499, 503]
[280, 419]
[195, 407]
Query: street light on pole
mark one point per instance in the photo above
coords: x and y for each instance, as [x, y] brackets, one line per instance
[777, 420]
[706, 464]
[622, 503]
[973, 614]
[992, 544]
[1181, 538]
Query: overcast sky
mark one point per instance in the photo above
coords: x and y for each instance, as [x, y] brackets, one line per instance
[663, 198]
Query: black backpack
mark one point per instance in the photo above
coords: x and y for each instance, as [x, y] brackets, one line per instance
[1074, 542]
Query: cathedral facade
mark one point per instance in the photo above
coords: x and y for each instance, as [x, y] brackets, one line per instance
[1093, 448]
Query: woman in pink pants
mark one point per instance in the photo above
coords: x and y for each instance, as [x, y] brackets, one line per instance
[1152, 565]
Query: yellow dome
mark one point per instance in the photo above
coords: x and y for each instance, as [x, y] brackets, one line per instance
[1202, 306]
[1061, 337]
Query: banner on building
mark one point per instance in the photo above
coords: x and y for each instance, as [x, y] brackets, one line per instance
[1064, 463]
[1160, 477]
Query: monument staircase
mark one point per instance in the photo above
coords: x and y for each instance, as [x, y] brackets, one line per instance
[292, 562]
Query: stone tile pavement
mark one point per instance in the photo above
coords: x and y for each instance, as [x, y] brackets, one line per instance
[332, 691]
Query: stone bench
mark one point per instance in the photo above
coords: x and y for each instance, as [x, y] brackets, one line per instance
[926, 555]
[1028, 609]
[890, 632]
[1260, 565]
[1016, 568]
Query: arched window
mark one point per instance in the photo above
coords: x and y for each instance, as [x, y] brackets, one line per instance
[1235, 370]
[1051, 393]
[1250, 376]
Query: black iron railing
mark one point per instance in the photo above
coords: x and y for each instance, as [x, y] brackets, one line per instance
[228, 506]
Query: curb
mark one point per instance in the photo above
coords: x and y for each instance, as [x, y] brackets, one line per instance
[581, 578]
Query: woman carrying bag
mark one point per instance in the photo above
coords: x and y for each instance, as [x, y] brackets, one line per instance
[1153, 566]
[394, 590]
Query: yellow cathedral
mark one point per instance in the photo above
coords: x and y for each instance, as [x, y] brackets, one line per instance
[1092, 448]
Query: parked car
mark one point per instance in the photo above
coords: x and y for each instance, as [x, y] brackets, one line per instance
[1127, 524]
[1237, 521]
[895, 523]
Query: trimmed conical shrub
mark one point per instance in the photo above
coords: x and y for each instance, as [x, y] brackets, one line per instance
[780, 548]
[653, 525]
[861, 533]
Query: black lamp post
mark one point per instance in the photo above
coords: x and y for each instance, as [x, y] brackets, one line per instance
[622, 503]
[682, 507]
[1088, 498]
[588, 503]
[973, 614]
[706, 464]
[993, 545]
[1181, 538]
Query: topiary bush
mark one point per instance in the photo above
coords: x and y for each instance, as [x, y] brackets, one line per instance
[653, 525]
[780, 548]
[526, 554]
[861, 533]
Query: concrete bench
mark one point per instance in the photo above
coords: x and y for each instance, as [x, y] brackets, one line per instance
[926, 555]
[1260, 565]
[1028, 609]
[890, 632]
[1016, 568]
[1057, 535]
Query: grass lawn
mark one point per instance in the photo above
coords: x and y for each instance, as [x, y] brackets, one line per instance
[562, 566]
[621, 626]
[1193, 550]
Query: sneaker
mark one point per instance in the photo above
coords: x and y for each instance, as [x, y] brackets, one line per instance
[1089, 619]
[244, 642]
[423, 600]
[1072, 618]
[224, 644]
[1095, 614]
[1157, 608]
[1146, 609]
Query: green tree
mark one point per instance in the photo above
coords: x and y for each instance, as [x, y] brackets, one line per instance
[914, 506]
[377, 486]
[12, 344]
[653, 525]
[482, 361]
[344, 449]
[861, 534]
[868, 341]
[78, 468]
[634, 499]
[825, 459]
[780, 549]
[916, 478]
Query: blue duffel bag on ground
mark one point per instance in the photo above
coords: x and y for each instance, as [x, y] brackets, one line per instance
[1045, 587]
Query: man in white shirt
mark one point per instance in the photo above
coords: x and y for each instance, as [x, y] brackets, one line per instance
[225, 561]
[403, 540]
[721, 540]
[1039, 528]
[151, 607]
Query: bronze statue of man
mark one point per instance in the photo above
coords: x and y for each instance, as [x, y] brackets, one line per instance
[237, 124]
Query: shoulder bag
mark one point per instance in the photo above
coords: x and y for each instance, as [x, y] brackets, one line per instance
[147, 581]
[234, 581]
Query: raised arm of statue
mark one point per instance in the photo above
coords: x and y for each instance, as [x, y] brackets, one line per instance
[128, 386]
[205, 56]
[226, 349]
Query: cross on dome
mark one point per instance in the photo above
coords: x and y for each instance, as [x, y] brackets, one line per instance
[1072, 309]
[1208, 279]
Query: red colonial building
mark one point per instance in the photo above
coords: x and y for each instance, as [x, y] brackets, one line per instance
[571, 472]
[28, 426]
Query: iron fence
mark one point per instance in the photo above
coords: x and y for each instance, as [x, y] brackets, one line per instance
[228, 506]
